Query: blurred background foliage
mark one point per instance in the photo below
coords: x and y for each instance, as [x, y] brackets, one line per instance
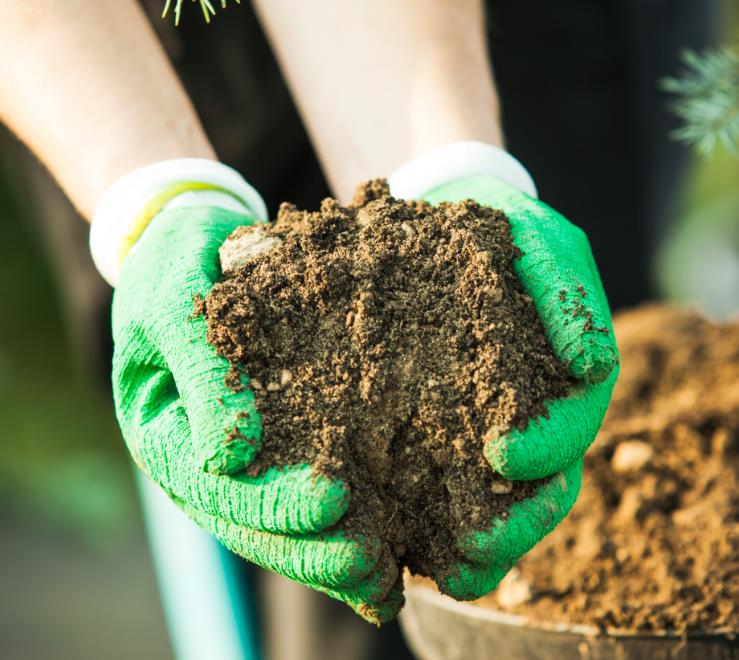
[75, 572]
[706, 99]
[63, 461]
[697, 262]
[698, 259]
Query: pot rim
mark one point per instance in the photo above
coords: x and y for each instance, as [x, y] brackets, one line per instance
[436, 598]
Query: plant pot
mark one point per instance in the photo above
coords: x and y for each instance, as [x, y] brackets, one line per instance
[437, 627]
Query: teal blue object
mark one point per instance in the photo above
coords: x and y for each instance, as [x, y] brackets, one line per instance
[244, 603]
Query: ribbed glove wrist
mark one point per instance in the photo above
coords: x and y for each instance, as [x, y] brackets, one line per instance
[458, 160]
[128, 205]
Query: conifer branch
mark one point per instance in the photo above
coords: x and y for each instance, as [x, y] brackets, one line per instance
[707, 99]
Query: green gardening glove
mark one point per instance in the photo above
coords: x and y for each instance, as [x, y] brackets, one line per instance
[193, 435]
[558, 271]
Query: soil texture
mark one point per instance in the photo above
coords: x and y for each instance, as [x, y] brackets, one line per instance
[385, 341]
[653, 542]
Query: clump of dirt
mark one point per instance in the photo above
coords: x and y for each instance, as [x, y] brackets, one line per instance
[653, 542]
[385, 341]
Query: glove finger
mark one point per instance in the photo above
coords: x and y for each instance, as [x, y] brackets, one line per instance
[470, 581]
[329, 559]
[526, 522]
[226, 430]
[550, 443]
[379, 597]
[557, 269]
[158, 434]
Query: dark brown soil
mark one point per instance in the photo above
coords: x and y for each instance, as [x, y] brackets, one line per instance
[653, 542]
[385, 341]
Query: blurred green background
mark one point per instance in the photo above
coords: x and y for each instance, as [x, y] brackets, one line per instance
[74, 568]
[697, 261]
[76, 578]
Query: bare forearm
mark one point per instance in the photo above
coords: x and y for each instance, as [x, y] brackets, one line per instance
[379, 81]
[87, 86]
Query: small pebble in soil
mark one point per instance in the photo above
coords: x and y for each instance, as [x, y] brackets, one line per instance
[513, 590]
[501, 487]
[631, 456]
[254, 240]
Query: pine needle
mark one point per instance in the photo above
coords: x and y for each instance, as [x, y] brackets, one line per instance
[707, 100]
[206, 7]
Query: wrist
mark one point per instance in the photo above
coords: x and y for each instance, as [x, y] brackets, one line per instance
[450, 112]
[458, 160]
[130, 204]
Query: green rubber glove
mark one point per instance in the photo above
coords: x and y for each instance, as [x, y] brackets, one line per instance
[558, 271]
[194, 436]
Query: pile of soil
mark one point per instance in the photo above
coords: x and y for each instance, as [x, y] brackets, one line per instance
[385, 341]
[653, 542]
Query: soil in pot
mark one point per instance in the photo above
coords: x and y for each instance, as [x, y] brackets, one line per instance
[653, 541]
[384, 342]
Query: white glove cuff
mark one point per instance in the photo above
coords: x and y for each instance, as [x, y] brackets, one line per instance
[130, 203]
[457, 160]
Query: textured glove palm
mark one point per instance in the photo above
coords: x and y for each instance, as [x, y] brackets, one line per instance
[558, 271]
[194, 436]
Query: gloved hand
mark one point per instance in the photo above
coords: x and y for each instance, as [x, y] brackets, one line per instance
[558, 271]
[184, 427]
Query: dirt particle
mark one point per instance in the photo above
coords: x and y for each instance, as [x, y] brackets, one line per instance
[198, 306]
